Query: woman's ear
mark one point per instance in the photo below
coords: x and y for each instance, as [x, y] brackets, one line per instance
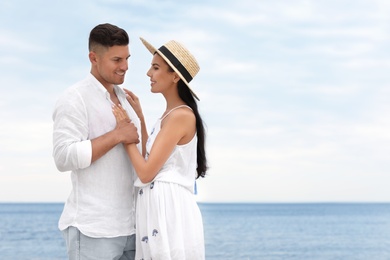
[176, 78]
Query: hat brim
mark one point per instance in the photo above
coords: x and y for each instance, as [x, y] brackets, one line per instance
[153, 50]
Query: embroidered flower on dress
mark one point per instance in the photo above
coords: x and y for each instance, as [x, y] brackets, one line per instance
[148, 141]
[152, 185]
[155, 232]
[141, 192]
[145, 239]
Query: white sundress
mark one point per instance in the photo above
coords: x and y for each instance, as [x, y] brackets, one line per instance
[168, 220]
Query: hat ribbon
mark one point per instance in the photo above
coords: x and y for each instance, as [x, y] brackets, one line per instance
[175, 62]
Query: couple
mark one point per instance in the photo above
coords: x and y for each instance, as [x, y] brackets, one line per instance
[132, 195]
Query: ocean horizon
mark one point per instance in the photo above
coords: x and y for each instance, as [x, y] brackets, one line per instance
[271, 231]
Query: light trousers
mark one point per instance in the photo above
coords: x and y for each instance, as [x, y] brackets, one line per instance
[81, 247]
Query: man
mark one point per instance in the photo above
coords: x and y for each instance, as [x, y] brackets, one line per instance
[98, 220]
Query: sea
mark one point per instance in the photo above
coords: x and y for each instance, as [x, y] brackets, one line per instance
[270, 231]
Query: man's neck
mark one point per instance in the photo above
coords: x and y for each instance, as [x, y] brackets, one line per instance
[106, 85]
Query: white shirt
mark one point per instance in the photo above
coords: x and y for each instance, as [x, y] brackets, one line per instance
[102, 200]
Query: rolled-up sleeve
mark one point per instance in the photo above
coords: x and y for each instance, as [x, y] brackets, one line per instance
[71, 148]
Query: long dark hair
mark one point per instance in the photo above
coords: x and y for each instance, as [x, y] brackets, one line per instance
[188, 98]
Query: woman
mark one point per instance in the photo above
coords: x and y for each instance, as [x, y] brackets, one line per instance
[169, 222]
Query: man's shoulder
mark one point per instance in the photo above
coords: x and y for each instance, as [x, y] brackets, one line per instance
[81, 87]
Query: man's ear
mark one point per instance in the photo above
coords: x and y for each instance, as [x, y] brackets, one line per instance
[92, 57]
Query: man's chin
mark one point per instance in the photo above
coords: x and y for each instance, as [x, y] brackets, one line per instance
[119, 82]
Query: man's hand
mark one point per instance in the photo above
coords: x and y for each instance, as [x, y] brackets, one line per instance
[125, 129]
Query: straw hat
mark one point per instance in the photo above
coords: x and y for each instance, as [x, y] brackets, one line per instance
[179, 59]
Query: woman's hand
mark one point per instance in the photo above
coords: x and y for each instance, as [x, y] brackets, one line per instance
[120, 114]
[134, 102]
[136, 105]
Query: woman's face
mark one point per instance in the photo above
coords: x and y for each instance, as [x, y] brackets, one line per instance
[161, 77]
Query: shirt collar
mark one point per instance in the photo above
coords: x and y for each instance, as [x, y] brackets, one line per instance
[96, 83]
[118, 90]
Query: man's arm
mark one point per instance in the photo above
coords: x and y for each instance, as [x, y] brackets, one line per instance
[71, 148]
[125, 132]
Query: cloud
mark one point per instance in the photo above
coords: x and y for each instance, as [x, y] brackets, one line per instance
[14, 42]
[294, 95]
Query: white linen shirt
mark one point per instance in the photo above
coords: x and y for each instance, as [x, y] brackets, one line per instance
[102, 200]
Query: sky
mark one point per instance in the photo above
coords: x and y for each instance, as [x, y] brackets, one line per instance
[295, 95]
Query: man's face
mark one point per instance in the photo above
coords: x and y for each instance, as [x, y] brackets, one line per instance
[111, 65]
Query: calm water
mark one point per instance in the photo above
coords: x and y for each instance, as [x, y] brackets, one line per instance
[232, 231]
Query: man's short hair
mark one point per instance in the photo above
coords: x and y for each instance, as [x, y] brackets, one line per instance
[107, 35]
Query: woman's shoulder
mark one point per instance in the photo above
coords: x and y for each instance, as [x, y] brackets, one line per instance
[182, 113]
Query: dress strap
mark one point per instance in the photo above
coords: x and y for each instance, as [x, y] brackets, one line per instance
[174, 109]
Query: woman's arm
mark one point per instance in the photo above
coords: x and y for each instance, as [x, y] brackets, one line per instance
[135, 103]
[178, 126]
